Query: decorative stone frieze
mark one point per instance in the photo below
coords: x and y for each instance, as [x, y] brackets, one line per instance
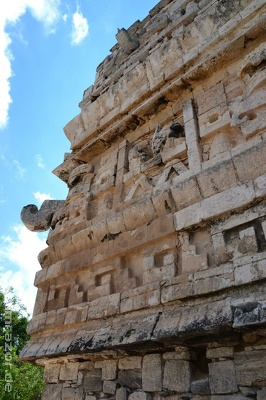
[153, 282]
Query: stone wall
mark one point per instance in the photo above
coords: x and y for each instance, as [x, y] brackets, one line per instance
[153, 281]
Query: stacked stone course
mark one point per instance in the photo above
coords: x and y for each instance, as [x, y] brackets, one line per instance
[152, 286]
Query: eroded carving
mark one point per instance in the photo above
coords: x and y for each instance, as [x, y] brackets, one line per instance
[40, 220]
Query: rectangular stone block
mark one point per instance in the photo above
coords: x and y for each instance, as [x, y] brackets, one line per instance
[222, 377]
[214, 206]
[69, 372]
[130, 378]
[220, 352]
[133, 362]
[250, 367]
[220, 177]
[177, 375]
[52, 392]
[109, 370]
[51, 373]
[152, 373]
[72, 393]
[93, 381]
[244, 163]
[109, 387]
[139, 396]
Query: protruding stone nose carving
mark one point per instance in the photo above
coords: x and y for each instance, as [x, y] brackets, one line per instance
[40, 220]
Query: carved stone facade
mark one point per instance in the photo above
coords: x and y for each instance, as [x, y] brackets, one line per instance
[153, 282]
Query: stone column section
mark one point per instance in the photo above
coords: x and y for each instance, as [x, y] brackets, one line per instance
[192, 136]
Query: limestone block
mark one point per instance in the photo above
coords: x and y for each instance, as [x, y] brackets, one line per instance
[52, 392]
[211, 98]
[176, 291]
[220, 177]
[160, 64]
[177, 375]
[163, 203]
[109, 370]
[222, 377]
[133, 86]
[139, 396]
[213, 284]
[185, 192]
[51, 373]
[152, 373]
[250, 368]
[194, 263]
[93, 381]
[133, 362]
[105, 306]
[260, 186]
[220, 352]
[89, 397]
[130, 378]
[72, 393]
[180, 353]
[139, 213]
[244, 162]
[250, 272]
[217, 122]
[248, 391]
[69, 372]
[173, 149]
[161, 273]
[109, 387]
[200, 386]
[121, 394]
[125, 41]
[261, 395]
[214, 206]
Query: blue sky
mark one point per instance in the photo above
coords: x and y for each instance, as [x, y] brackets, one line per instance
[49, 52]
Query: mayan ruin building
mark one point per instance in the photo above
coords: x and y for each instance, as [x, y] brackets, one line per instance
[152, 286]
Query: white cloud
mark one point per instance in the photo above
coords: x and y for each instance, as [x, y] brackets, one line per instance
[39, 161]
[20, 170]
[40, 197]
[80, 28]
[46, 12]
[18, 260]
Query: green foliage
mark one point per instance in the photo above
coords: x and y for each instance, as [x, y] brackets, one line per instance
[18, 381]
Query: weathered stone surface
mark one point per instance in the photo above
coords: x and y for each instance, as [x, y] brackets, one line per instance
[130, 378]
[133, 362]
[250, 368]
[93, 381]
[40, 220]
[223, 377]
[177, 375]
[51, 373]
[200, 386]
[109, 369]
[261, 394]
[121, 394]
[153, 281]
[72, 394]
[52, 392]
[69, 372]
[109, 387]
[152, 373]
